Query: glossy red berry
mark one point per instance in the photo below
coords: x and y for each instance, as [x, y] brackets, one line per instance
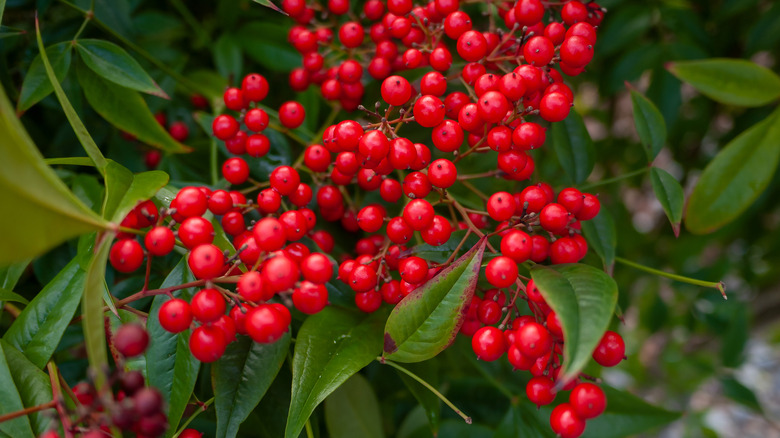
[225, 127]
[554, 217]
[533, 340]
[193, 231]
[418, 214]
[280, 274]
[291, 114]
[175, 315]
[269, 234]
[540, 390]
[396, 90]
[517, 245]
[207, 343]
[310, 298]
[501, 272]
[267, 323]
[442, 173]
[159, 241]
[126, 255]
[255, 87]
[565, 422]
[472, 46]
[488, 343]
[429, 111]
[587, 400]
[611, 350]
[206, 261]
[208, 305]
[501, 206]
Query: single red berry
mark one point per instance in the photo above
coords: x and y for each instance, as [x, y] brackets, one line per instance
[190, 201]
[501, 206]
[208, 305]
[611, 350]
[194, 231]
[126, 255]
[159, 241]
[207, 343]
[517, 245]
[565, 250]
[590, 207]
[565, 422]
[310, 298]
[488, 343]
[190, 433]
[528, 12]
[255, 87]
[554, 218]
[472, 46]
[489, 312]
[206, 261]
[438, 232]
[418, 214]
[225, 127]
[501, 272]
[280, 274]
[368, 301]
[396, 90]
[269, 234]
[554, 107]
[447, 136]
[428, 111]
[267, 323]
[540, 390]
[442, 173]
[587, 400]
[533, 340]
[131, 340]
[175, 315]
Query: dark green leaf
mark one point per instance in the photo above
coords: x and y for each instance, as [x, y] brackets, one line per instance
[113, 63]
[626, 415]
[584, 299]
[125, 109]
[523, 420]
[32, 384]
[428, 371]
[19, 426]
[170, 367]
[228, 57]
[7, 295]
[602, 237]
[650, 124]
[39, 328]
[73, 118]
[440, 254]
[330, 347]
[93, 321]
[735, 335]
[264, 42]
[353, 410]
[574, 147]
[740, 393]
[36, 84]
[670, 194]
[730, 81]
[9, 275]
[624, 27]
[46, 213]
[427, 320]
[735, 177]
[241, 378]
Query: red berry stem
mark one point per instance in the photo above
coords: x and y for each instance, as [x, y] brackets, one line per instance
[26, 411]
[59, 401]
[152, 292]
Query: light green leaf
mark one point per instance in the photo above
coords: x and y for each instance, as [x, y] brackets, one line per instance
[730, 81]
[670, 194]
[113, 63]
[330, 347]
[574, 147]
[584, 299]
[650, 124]
[125, 109]
[427, 320]
[7, 295]
[19, 426]
[735, 177]
[36, 83]
[353, 410]
[602, 237]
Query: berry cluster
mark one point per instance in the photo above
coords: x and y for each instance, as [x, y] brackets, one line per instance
[125, 402]
[494, 91]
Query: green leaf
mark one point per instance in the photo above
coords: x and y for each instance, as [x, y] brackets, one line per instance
[264, 42]
[574, 147]
[10, 274]
[241, 378]
[650, 124]
[75, 122]
[228, 57]
[36, 83]
[170, 367]
[125, 109]
[124, 190]
[113, 63]
[735, 177]
[670, 194]
[428, 371]
[40, 326]
[626, 415]
[32, 384]
[730, 81]
[7, 295]
[740, 393]
[330, 347]
[46, 213]
[353, 410]
[426, 321]
[93, 322]
[19, 426]
[584, 299]
[269, 4]
[440, 254]
[602, 237]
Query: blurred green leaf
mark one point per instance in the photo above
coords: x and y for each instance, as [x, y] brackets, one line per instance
[241, 378]
[33, 385]
[36, 83]
[626, 415]
[12, 401]
[427, 320]
[584, 299]
[7, 295]
[440, 254]
[623, 27]
[93, 320]
[649, 124]
[427, 370]
[735, 336]
[125, 109]
[9, 275]
[574, 147]
[740, 393]
[331, 346]
[670, 194]
[730, 81]
[38, 329]
[125, 194]
[266, 44]
[602, 237]
[113, 63]
[735, 177]
[352, 410]
[228, 57]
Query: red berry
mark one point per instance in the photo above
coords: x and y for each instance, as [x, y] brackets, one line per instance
[369, 301]
[418, 214]
[554, 107]
[488, 343]
[206, 261]
[207, 343]
[442, 173]
[208, 305]
[501, 206]
[540, 390]
[472, 46]
[501, 272]
[193, 231]
[533, 340]
[517, 245]
[224, 127]
[291, 114]
[255, 87]
[131, 340]
[190, 201]
[565, 422]
[310, 298]
[396, 90]
[428, 111]
[159, 241]
[280, 274]
[611, 350]
[554, 218]
[175, 315]
[269, 234]
[126, 255]
[267, 323]
[587, 400]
